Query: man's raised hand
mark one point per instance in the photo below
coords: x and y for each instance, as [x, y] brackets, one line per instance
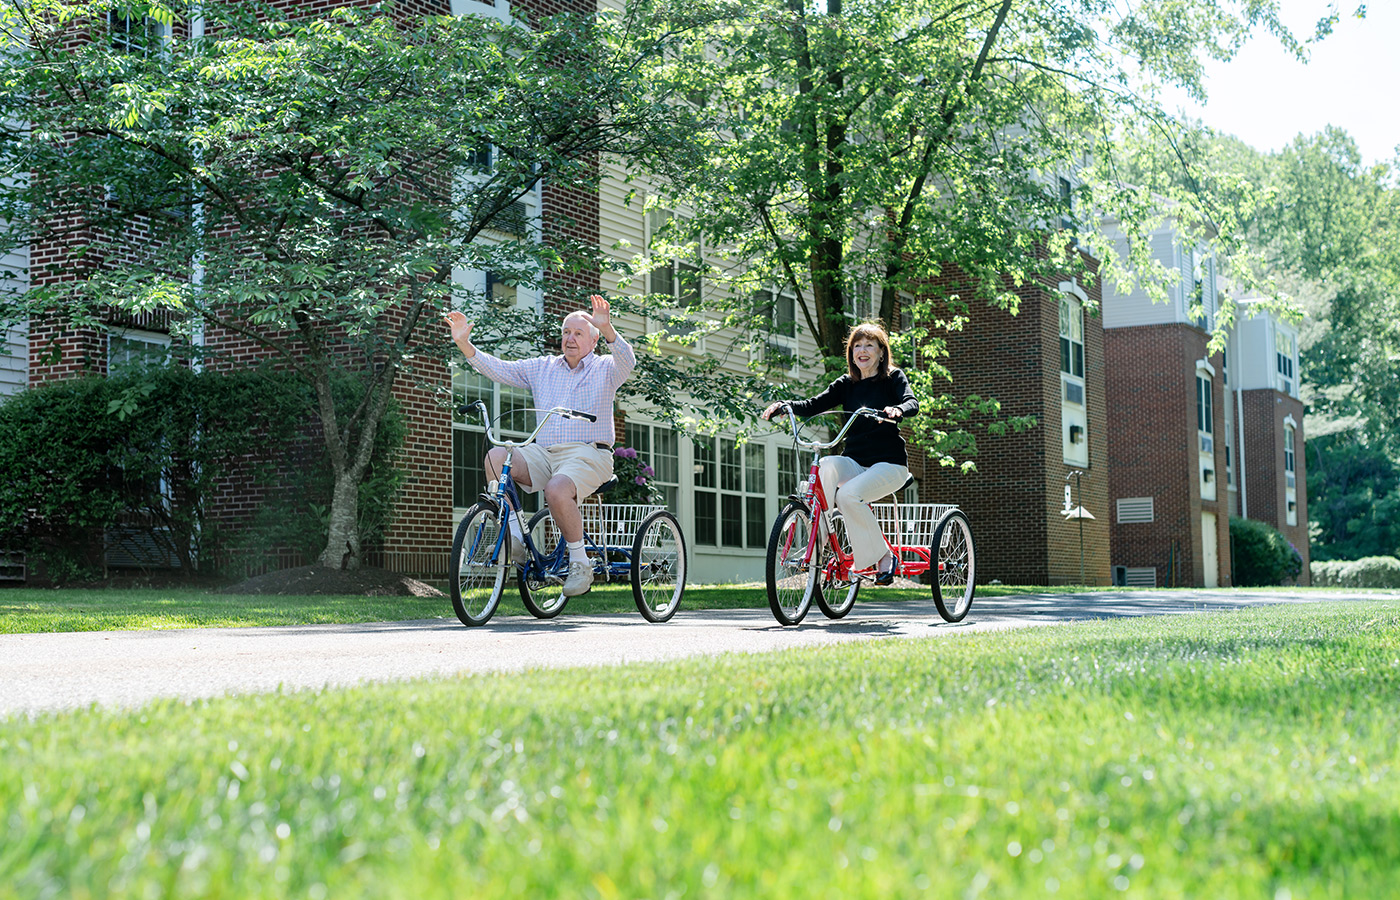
[461, 333]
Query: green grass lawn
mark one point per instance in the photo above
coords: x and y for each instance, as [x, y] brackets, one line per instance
[1245, 754]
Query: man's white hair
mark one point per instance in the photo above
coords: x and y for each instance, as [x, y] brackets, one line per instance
[583, 317]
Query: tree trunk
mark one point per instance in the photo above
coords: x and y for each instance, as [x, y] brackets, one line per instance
[343, 541]
[350, 449]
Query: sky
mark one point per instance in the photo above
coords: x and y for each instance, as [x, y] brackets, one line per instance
[1265, 97]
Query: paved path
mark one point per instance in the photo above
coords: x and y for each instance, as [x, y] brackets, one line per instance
[44, 672]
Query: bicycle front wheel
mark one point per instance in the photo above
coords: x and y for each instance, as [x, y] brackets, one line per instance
[791, 580]
[843, 593]
[479, 565]
[658, 566]
[955, 566]
[542, 581]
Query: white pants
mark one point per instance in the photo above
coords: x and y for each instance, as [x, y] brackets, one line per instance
[851, 487]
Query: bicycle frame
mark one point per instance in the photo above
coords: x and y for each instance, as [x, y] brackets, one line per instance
[813, 494]
[503, 493]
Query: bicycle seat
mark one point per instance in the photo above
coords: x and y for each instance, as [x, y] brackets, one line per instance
[606, 486]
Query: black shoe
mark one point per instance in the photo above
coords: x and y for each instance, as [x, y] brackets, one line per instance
[887, 577]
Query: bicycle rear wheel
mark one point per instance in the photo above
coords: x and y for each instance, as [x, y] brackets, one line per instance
[792, 582]
[479, 565]
[658, 566]
[542, 581]
[954, 566]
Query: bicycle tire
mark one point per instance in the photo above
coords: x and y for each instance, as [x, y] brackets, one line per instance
[658, 566]
[541, 586]
[790, 583]
[479, 565]
[954, 562]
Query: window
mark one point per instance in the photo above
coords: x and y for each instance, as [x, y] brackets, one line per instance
[134, 351]
[1205, 432]
[1071, 337]
[1205, 416]
[659, 447]
[1283, 360]
[1290, 490]
[508, 407]
[1288, 459]
[135, 36]
[1073, 410]
[907, 326]
[789, 475]
[730, 493]
[862, 302]
[780, 347]
[674, 278]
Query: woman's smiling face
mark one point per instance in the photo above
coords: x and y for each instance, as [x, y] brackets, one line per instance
[866, 355]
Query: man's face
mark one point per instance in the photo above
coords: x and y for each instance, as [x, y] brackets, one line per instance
[576, 340]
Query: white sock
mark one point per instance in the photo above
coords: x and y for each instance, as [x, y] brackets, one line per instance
[576, 552]
[515, 531]
[885, 564]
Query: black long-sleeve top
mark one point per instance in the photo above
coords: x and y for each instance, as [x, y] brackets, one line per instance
[868, 442]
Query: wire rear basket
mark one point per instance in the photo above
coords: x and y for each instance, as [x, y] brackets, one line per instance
[615, 524]
[916, 521]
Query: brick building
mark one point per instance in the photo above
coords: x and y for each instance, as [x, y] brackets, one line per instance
[1180, 417]
[1046, 361]
[1271, 474]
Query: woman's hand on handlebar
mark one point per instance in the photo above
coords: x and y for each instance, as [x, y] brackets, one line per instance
[768, 414]
[893, 412]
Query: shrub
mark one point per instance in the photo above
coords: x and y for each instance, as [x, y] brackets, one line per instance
[1369, 572]
[1262, 555]
[143, 451]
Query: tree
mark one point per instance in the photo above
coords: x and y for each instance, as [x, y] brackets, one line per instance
[304, 187]
[884, 143]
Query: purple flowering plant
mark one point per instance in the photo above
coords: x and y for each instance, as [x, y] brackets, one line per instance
[633, 479]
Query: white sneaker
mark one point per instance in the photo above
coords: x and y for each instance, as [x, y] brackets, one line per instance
[580, 580]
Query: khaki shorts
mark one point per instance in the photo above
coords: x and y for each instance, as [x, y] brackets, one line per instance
[585, 465]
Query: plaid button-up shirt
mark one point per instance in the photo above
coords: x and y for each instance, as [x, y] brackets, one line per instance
[588, 388]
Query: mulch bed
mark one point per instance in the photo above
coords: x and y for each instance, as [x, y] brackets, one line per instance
[365, 581]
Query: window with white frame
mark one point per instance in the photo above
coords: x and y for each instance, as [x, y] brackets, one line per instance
[907, 325]
[659, 447]
[730, 493]
[790, 474]
[1205, 431]
[133, 351]
[863, 304]
[510, 417]
[779, 352]
[676, 279]
[135, 35]
[1205, 415]
[1290, 475]
[1284, 348]
[1073, 406]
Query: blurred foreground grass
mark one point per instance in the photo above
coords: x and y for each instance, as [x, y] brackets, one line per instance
[1244, 754]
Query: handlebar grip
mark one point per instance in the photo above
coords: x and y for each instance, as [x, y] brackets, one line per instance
[573, 413]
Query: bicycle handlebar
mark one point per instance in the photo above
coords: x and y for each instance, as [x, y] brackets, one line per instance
[480, 406]
[818, 445]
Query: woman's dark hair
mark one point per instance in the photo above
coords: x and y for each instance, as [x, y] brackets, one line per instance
[870, 331]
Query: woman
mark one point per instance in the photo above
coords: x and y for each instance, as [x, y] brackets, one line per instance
[875, 462]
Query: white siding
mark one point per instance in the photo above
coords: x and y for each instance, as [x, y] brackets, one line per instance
[1135, 307]
[1254, 339]
[14, 361]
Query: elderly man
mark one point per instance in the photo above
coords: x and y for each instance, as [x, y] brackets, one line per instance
[571, 458]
